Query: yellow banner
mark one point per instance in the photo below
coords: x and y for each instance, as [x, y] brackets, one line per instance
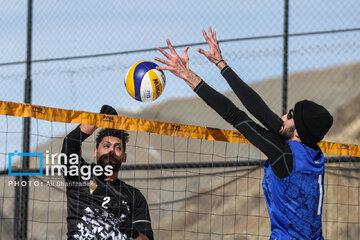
[133, 124]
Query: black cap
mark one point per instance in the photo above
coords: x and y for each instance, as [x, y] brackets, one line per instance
[312, 121]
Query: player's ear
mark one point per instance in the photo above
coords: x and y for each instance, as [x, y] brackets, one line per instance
[95, 152]
[296, 134]
[124, 158]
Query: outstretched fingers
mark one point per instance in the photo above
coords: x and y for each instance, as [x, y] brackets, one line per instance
[169, 68]
[163, 61]
[164, 52]
[207, 39]
[179, 66]
[214, 53]
[210, 33]
[172, 50]
[185, 57]
[203, 52]
[160, 60]
[185, 52]
[212, 36]
[172, 54]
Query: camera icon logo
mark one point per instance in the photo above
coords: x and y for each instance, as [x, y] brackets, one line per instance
[16, 153]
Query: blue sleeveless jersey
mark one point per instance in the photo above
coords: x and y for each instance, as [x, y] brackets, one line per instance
[295, 202]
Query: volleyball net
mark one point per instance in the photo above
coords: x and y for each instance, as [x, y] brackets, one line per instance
[200, 183]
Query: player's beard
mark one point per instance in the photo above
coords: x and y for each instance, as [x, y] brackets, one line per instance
[110, 159]
[288, 132]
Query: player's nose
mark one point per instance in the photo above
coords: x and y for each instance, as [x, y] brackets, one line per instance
[110, 150]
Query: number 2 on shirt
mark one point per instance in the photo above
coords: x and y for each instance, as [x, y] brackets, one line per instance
[106, 200]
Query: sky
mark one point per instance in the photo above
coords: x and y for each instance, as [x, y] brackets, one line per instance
[76, 28]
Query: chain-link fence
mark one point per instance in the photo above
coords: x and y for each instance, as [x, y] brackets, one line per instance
[81, 51]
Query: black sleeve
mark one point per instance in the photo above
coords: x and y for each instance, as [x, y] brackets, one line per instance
[72, 145]
[252, 101]
[141, 216]
[271, 144]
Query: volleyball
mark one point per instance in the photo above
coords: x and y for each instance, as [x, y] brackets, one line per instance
[144, 82]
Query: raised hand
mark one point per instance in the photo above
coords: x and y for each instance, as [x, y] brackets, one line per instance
[106, 109]
[214, 53]
[178, 66]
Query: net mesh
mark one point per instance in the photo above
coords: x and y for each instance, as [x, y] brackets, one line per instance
[195, 188]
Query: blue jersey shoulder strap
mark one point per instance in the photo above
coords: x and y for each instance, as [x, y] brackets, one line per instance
[306, 159]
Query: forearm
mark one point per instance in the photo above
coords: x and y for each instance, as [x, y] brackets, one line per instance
[191, 79]
[251, 100]
[221, 104]
[72, 142]
[271, 144]
[72, 145]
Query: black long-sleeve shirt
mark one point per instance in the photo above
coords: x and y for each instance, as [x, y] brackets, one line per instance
[267, 139]
[100, 209]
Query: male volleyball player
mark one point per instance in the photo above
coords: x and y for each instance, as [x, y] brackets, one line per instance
[294, 174]
[104, 207]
